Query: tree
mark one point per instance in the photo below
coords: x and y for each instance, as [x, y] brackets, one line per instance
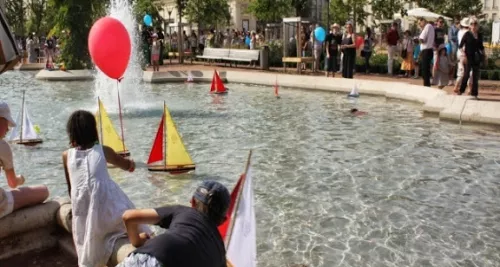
[37, 12]
[76, 18]
[344, 10]
[181, 6]
[209, 13]
[15, 11]
[302, 8]
[269, 10]
[150, 7]
[385, 9]
[454, 8]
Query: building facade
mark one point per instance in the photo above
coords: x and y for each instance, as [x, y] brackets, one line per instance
[491, 9]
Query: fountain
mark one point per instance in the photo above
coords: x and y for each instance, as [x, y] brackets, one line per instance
[130, 91]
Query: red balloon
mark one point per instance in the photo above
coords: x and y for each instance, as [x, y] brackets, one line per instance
[110, 47]
[359, 41]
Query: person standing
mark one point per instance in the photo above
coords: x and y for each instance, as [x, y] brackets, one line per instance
[472, 46]
[426, 49]
[332, 47]
[439, 39]
[407, 54]
[367, 48]
[453, 41]
[317, 49]
[392, 45]
[348, 47]
[161, 39]
[464, 28]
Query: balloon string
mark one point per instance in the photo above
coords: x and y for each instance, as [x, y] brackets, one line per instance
[120, 110]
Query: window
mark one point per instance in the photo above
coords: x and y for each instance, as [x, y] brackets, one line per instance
[494, 16]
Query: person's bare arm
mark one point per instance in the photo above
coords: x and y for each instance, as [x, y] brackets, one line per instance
[66, 173]
[113, 158]
[134, 218]
[11, 178]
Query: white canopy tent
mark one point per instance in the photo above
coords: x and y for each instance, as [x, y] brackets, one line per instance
[425, 13]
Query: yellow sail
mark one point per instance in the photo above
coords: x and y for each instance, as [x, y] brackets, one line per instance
[109, 136]
[177, 154]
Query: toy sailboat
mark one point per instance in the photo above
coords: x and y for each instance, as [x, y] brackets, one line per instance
[354, 92]
[276, 88]
[107, 133]
[169, 148]
[25, 133]
[217, 86]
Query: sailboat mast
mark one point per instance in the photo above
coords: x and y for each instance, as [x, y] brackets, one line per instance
[100, 120]
[165, 134]
[22, 118]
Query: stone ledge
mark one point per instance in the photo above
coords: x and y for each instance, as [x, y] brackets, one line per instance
[30, 66]
[37, 239]
[30, 218]
[435, 101]
[70, 75]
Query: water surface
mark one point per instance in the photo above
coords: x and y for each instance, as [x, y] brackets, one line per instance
[388, 189]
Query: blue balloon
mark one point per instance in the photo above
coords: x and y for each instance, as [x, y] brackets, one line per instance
[148, 20]
[448, 49]
[320, 34]
[247, 40]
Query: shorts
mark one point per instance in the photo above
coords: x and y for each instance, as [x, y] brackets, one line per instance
[140, 260]
[6, 202]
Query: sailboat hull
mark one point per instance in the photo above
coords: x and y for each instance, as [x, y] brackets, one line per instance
[221, 93]
[29, 142]
[172, 169]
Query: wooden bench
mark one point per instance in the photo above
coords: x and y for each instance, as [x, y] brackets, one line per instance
[212, 54]
[297, 60]
[242, 55]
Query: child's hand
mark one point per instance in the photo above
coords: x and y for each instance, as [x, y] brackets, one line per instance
[131, 167]
[144, 237]
[20, 180]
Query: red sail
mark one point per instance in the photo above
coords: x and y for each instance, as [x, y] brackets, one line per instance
[157, 149]
[212, 87]
[276, 87]
[223, 228]
[219, 85]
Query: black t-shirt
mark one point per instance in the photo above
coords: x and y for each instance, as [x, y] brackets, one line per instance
[192, 240]
[439, 36]
[472, 46]
[146, 35]
[333, 41]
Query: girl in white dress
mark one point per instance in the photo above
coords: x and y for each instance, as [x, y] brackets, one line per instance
[97, 202]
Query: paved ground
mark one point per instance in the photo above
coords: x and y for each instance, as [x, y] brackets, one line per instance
[489, 90]
[47, 258]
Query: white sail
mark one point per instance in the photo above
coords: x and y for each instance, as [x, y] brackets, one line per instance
[28, 129]
[354, 91]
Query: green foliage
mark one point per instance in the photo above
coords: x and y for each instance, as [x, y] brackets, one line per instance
[37, 13]
[453, 8]
[269, 10]
[385, 9]
[15, 11]
[302, 8]
[208, 13]
[150, 7]
[341, 11]
[76, 17]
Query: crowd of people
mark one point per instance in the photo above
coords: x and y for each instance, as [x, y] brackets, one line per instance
[39, 49]
[442, 58]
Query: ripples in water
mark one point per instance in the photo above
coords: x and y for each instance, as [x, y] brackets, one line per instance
[387, 189]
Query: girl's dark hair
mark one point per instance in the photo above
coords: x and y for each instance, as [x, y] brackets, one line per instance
[82, 129]
[354, 110]
[369, 31]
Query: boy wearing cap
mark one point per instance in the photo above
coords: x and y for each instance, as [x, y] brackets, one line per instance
[16, 198]
[192, 239]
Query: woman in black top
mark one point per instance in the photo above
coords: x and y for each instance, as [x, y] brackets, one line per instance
[349, 49]
[472, 47]
[192, 239]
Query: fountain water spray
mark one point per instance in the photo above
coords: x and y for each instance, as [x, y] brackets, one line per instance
[130, 90]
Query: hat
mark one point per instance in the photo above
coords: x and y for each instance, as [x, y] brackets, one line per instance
[215, 195]
[5, 113]
[465, 22]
